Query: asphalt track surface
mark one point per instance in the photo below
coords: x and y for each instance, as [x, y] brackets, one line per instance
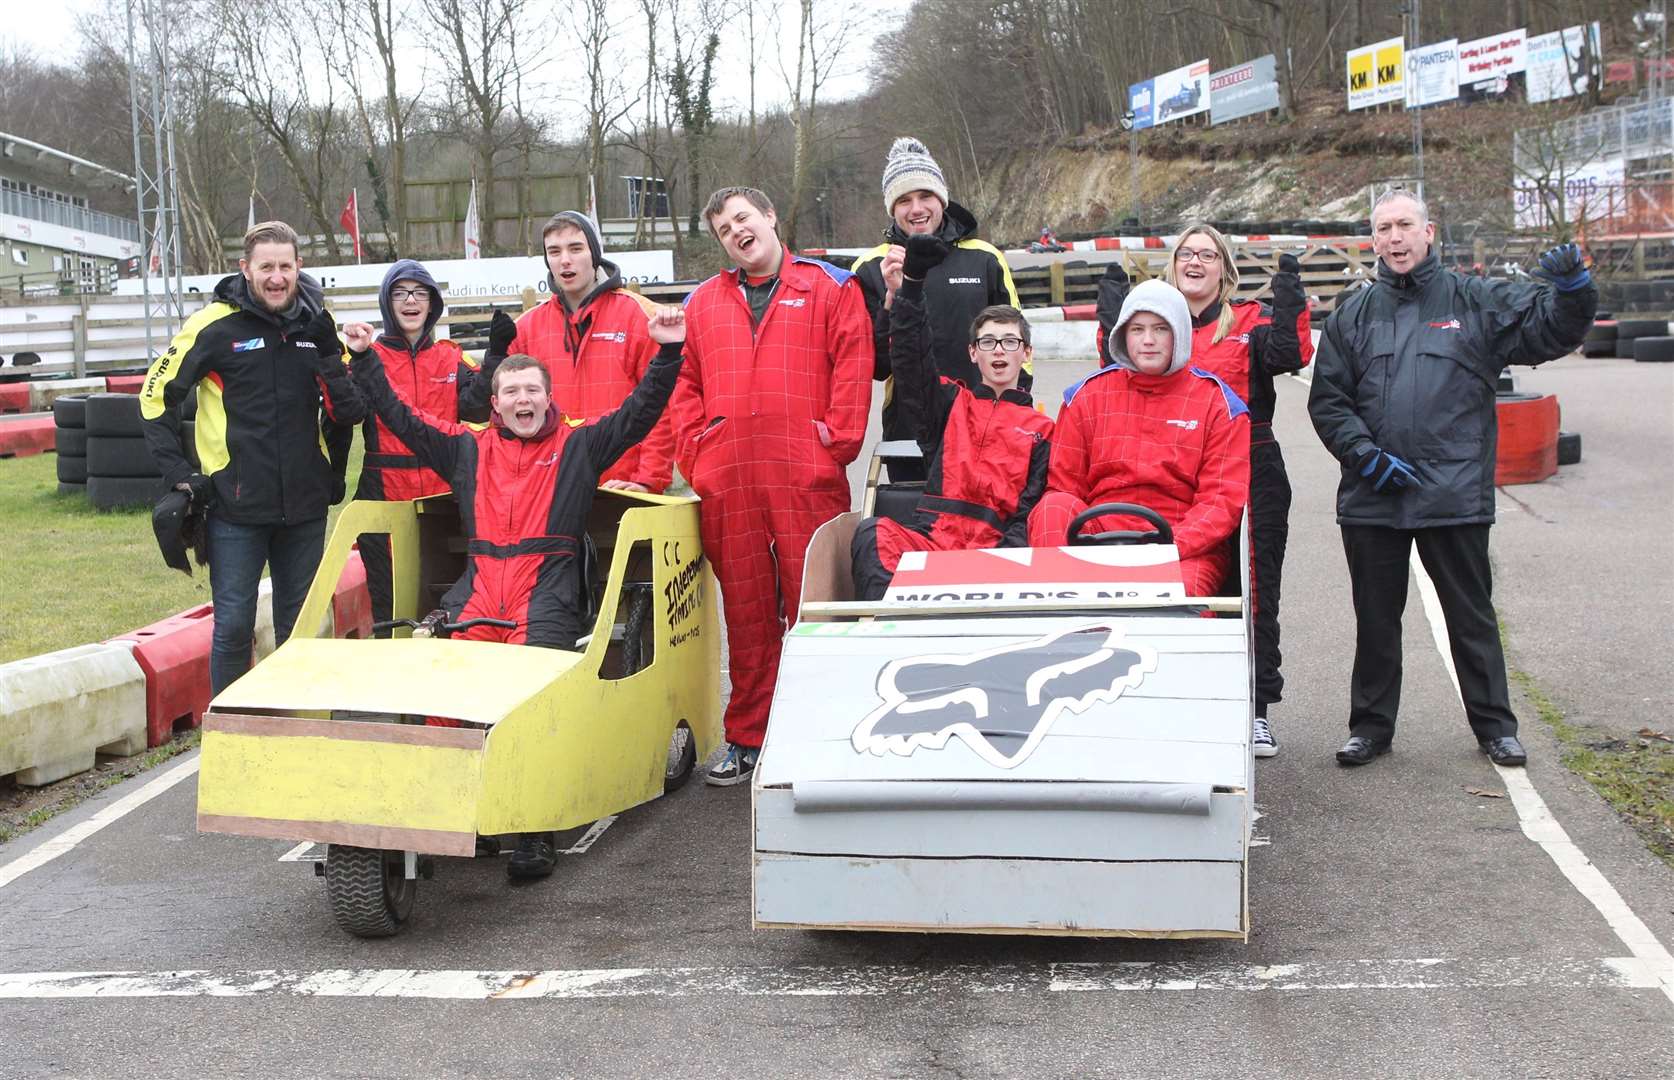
[1403, 926]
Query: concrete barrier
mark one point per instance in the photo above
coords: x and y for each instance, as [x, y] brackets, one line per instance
[60, 709]
[30, 433]
[174, 654]
[42, 394]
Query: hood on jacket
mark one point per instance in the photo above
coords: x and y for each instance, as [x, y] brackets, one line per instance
[1159, 298]
[957, 224]
[606, 276]
[408, 270]
[310, 300]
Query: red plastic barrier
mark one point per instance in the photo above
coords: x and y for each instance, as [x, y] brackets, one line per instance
[1080, 312]
[32, 433]
[14, 397]
[124, 384]
[351, 604]
[174, 654]
[1528, 445]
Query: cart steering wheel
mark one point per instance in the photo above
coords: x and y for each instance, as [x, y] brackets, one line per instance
[1162, 534]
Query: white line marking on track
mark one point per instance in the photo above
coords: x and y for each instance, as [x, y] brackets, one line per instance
[589, 837]
[296, 853]
[1625, 973]
[67, 840]
[1540, 826]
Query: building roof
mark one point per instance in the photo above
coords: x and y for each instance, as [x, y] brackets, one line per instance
[12, 145]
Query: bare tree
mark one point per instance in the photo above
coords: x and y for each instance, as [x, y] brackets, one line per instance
[821, 38]
[606, 102]
[691, 84]
[385, 116]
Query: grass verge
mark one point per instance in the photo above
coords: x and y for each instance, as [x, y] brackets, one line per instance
[1634, 774]
[22, 809]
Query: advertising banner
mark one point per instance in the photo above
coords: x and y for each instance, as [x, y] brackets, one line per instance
[1555, 63]
[1433, 74]
[1585, 189]
[1376, 74]
[1182, 92]
[1492, 67]
[1141, 96]
[1244, 90]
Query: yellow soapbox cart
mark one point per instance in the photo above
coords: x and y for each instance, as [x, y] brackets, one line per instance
[341, 742]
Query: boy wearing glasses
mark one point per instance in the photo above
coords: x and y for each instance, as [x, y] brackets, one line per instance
[987, 446]
[432, 377]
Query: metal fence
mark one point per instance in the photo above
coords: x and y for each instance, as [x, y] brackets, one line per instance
[1633, 132]
[53, 212]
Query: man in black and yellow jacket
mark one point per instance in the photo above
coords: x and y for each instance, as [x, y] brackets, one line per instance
[972, 277]
[265, 359]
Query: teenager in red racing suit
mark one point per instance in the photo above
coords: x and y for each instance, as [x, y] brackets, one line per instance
[1153, 431]
[988, 446]
[773, 404]
[434, 378]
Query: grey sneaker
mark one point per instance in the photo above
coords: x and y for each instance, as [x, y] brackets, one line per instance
[734, 767]
[1262, 742]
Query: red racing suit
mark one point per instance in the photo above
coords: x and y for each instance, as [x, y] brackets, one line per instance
[429, 379]
[1178, 444]
[988, 458]
[523, 502]
[765, 420]
[596, 357]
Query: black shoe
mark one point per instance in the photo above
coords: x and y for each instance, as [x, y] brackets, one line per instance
[1505, 750]
[535, 857]
[487, 847]
[1360, 750]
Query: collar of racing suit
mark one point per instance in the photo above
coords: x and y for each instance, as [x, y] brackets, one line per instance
[548, 426]
[606, 276]
[1420, 275]
[1013, 396]
[1208, 315]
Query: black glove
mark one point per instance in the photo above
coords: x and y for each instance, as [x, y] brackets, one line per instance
[202, 490]
[924, 254]
[502, 331]
[339, 488]
[322, 331]
[1564, 267]
[1287, 285]
[1387, 474]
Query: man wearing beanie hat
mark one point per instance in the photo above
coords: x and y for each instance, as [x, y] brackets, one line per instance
[970, 276]
[1152, 430]
[591, 335]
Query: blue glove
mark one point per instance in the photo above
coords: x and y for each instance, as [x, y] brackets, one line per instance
[1389, 474]
[1565, 269]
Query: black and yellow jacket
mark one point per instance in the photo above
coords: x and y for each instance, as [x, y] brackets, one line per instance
[259, 402]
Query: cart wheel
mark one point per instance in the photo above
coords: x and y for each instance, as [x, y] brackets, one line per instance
[634, 627]
[682, 759]
[370, 895]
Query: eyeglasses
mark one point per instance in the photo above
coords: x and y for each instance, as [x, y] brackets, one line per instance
[1206, 256]
[988, 343]
[401, 296]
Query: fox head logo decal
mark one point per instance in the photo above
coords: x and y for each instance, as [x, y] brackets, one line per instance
[1003, 701]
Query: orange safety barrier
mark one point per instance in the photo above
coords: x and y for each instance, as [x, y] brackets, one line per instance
[14, 397]
[1528, 444]
[124, 384]
[31, 433]
[351, 604]
[174, 654]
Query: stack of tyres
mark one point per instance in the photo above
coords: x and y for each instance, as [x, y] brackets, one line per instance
[1601, 338]
[120, 469]
[69, 415]
[1628, 331]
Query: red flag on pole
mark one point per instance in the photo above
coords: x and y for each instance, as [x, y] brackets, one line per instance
[350, 220]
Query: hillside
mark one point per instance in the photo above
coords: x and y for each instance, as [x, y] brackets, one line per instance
[1318, 166]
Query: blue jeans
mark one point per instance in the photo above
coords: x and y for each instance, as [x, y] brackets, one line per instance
[237, 554]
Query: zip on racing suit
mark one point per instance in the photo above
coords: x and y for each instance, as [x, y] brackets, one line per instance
[596, 356]
[523, 502]
[974, 275]
[988, 458]
[434, 378]
[766, 418]
[1177, 443]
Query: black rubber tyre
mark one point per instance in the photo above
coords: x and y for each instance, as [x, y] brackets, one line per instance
[1506, 384]
[1624, 348]
[369, 895]
[682, 759]
[1569, 448]
[114, 414]
[1602, 315]
[78, 490]
[70, 440]
[1654, 350]
[1599, 348]
[70, 412]
[121, 492]
[1641, 327]
[634, 626]
[72, 468]
[114, 456]
[1603, 332]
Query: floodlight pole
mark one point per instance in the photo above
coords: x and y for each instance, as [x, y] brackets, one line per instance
[156, 191]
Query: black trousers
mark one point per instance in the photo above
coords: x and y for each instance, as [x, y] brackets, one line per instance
[1456, 558]
[374, 555]
[1269, 532]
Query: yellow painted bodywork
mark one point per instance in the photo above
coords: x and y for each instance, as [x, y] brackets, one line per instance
[564, 746]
